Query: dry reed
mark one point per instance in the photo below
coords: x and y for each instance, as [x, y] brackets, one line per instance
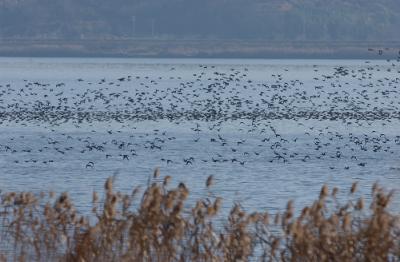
[158, 226]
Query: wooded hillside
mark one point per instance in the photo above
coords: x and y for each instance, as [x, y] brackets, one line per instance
[305, 20]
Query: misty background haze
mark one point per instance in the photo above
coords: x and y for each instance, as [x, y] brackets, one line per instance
[310, 20]
[200, 28]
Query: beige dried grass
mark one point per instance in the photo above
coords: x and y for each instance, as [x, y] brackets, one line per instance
[157, 227]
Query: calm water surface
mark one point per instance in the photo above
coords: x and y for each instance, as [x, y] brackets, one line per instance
[267, 130]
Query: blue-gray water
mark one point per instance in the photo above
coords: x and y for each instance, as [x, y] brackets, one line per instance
[267, 130]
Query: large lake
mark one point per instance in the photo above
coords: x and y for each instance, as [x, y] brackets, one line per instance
[267, 130]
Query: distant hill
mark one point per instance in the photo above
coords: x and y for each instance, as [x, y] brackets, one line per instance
[304, 20]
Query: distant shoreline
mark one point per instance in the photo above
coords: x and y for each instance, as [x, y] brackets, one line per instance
[197, 48]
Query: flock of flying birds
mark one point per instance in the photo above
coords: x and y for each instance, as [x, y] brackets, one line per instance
[223, 115]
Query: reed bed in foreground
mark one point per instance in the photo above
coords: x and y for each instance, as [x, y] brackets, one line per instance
[158, 225]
